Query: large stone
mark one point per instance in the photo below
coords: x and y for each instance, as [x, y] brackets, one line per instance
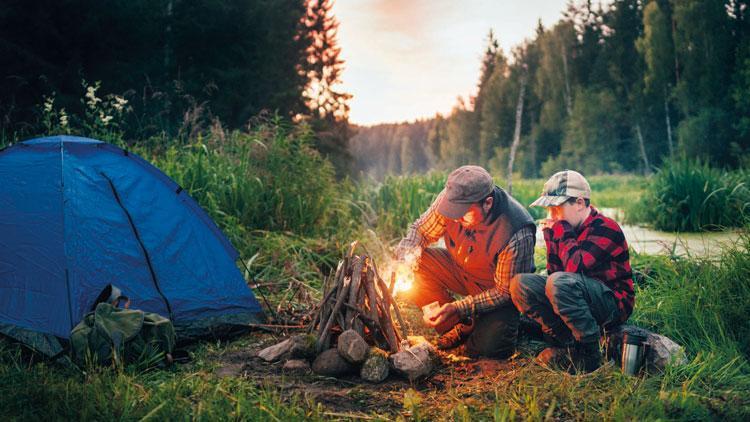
[303, 346]
[275, 352]
[296, 366]
[300, 346]
[375, 369]
[352, 346]
[660, 351]
[330, 363]
[415, 361]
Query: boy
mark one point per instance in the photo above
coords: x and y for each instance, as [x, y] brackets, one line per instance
[589, 283]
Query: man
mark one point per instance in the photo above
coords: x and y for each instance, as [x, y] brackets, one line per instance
[489, 237]
[589, 284]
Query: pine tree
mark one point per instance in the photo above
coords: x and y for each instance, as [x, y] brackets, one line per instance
[324, 66]
[329, 107]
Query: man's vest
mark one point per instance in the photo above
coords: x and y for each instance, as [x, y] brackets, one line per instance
[476, 249]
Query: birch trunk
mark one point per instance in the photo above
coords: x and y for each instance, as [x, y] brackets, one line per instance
[517, 131]
[669, 124]
[647, 166]
[568, 100]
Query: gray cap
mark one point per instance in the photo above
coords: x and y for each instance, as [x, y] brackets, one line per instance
[562, 186]
[465, 186]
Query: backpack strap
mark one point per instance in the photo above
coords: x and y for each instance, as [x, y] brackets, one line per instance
[116, 302]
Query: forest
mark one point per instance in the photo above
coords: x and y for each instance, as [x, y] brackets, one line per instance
[612, 87]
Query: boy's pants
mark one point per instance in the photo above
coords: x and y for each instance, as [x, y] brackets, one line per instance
[569, 306]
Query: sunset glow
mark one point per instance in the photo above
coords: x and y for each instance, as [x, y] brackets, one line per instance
[411, 59]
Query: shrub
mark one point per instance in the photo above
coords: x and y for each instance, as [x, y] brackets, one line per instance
[688, 195]
[267, 179]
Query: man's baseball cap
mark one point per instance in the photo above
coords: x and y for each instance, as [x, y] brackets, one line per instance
[562, 186]
[465, 186]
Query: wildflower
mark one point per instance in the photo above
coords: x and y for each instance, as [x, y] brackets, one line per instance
[63, 118]
[91, 96]
[48, 103]
[105, 119]
[119, 103]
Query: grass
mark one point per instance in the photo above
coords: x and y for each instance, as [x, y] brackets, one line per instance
[396, 202]
[291, 221]
[689, 196]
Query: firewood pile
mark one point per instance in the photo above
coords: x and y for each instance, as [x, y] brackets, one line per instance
[357, 298]
[353, 329]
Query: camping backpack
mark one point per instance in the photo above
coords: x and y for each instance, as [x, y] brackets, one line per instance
[116, 335]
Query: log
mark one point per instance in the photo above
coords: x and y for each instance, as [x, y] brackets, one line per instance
[376, 368]
[352, 347]
[396, 310]
[325, 335]
[348, 316]
[415, 361]
[323, 314]
[272, 353]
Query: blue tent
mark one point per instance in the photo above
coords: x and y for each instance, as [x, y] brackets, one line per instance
[77, 214]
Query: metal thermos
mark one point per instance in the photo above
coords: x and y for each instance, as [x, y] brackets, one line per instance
[633, 353]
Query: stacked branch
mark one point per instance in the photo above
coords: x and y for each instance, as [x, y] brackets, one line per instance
[357, 298]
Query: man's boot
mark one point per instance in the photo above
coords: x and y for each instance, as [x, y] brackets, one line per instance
[581, 357]
[588, 356]
[456, 336]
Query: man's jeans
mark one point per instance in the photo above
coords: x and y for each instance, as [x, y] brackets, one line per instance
[437, 275]
[569, 306]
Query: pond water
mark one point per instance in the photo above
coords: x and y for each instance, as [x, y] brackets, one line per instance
[649, 241]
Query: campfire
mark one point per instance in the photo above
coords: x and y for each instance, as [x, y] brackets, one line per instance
[358, 299]
[354, 327]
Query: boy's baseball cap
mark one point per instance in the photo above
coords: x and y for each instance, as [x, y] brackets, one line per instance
[465, 186]
[561, 186]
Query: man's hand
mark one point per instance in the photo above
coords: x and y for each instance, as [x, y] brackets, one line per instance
[443, 314]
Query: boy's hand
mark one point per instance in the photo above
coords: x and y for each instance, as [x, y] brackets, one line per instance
[547, 224]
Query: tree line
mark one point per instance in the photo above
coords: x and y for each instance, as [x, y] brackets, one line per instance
[179, 63]
[609, 88]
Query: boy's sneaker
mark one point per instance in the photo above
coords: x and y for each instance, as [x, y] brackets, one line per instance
[455, 337]
[589, 356]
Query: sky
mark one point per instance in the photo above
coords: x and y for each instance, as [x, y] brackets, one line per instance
[409, 59]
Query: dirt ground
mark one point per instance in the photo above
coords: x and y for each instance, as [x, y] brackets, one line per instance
[471, 379]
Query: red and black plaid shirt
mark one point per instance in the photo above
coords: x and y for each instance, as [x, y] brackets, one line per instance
[598, 249]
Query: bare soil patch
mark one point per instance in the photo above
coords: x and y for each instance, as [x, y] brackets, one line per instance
[471, 379]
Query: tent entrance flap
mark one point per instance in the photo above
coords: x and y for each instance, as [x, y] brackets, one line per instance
[140, 243]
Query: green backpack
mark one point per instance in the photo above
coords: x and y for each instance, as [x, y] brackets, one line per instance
[114, 335]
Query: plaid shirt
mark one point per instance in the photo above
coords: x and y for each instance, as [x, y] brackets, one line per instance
[598, 249]
[517, 257]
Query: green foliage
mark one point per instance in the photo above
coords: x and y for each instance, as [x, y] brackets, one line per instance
[399, 200]
[591, 144]
[234, 58]
[267, 179]
[42, 391]
[698, 303]
[706, 134]
[391, 206]
[688, 195]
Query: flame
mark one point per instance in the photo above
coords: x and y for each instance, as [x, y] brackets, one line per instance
[404, 279]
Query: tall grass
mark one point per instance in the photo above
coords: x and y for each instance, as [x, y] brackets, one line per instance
[688, 195]
[45, 392]
[396, 202]
[701, 304]
[268, 179]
